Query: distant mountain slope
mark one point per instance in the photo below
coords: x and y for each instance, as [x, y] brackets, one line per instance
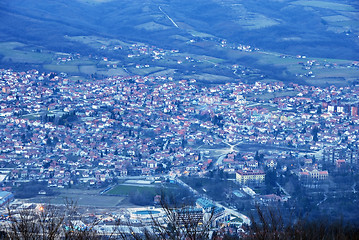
[314, 28]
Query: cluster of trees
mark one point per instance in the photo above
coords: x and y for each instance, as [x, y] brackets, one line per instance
[269, 225]
[66, 119]
[176, 195]
[31, 189]
[54, 222]
[47, 222]
[50, 223]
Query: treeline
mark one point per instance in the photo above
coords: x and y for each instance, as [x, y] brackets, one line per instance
[269, 225]
[51, 223]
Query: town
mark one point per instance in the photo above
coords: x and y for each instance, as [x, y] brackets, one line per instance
[97, 133]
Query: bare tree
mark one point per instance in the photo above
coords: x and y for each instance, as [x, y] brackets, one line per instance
[270, 226]
[47, 222]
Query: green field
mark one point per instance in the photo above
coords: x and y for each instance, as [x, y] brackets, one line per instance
[146, 71]
[152, 26]
[337, 72]
[208, 77]
[96, 42]
[167, 72]
[179, 37]
[257, 21]
[81, 197]
[199, 34]
[94, 1]
[125, 190]
[62, 68]
[267, 96]
[272, 58]
[147, 191]
[325, 4]
[325, 82]
[12, 52]
[336, 18]
[112, 72]
[210, 59]
[88, 69]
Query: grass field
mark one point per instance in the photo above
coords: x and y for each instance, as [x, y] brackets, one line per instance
[12, 53]
[336, 18]
[208, 77]
[347, 24]
[325, 4]
[88, 69]
[81, 197]
[337, 72]
[80, 62]
[268, 96]
[257, 21]
[124, 190]
[323, 75]
[167, 72]
[265, 58]
[146, 71]
[31, 116]
[179, 37]
[112, 72]
[199, 34]
[325, 82]
[210, 59]
[62, 68]
[152, 26]
[94, 1]
[97, 42]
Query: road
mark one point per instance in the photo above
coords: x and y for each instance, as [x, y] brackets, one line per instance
[353, 187]
[173, 22]
[225, 152]
[246, 220]
[325, 198]
[283, 190]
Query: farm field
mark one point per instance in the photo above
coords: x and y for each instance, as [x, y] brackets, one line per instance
[62, 68]
[208, 78]
[152, 26]
[12, 52]
[81, 197]
[146, 71]
[268, 96]
[325, 4]
[124, 190]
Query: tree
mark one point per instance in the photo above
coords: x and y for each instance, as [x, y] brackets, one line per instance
[47, 222]
[269, 225]
[315, 131]
[270, 180]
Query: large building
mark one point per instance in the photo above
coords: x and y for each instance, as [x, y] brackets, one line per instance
[212, 212]
[310, 173]
[5, 197]
[190, 215]
[333, 154]
[250, 176]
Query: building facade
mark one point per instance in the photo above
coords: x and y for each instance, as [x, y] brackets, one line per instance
[250, 176]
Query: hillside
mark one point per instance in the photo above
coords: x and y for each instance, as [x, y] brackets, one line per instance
[316, 28]
[207, 35]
